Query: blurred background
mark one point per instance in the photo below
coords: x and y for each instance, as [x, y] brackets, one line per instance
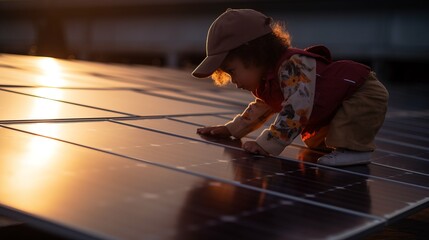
[390, 36]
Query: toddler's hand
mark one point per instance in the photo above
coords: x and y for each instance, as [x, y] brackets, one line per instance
[216, 131]
[253, 147]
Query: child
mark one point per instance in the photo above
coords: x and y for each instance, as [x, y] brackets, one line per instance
[336, 106]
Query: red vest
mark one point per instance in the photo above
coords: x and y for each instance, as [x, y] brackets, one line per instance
[335, 82]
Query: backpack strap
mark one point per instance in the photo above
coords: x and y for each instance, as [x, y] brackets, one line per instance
[319, 52]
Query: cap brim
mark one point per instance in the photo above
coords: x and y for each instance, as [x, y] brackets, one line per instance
[209, 65]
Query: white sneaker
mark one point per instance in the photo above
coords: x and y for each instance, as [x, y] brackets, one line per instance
[343, 157]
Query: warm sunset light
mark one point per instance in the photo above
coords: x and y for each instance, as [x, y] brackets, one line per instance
[51, 73]
[31, 167]
[50, 77]
[45, 108]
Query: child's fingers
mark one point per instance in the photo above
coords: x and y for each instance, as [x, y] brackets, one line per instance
[218, 131]
[254, 148]
[205, 130]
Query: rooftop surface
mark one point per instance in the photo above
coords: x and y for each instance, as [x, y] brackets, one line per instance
[104, 151]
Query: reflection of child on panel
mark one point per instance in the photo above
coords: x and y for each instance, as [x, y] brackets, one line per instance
[334, 105]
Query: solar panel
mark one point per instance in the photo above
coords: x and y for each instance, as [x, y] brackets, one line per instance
[111, 152]
[72, 189]
[127, 102]
[23, 107]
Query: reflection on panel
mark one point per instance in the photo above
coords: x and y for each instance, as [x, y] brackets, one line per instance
[128, 101]
[396, 147]
[357, 193]
[189, 97]
[21, 107]
[212, 120]
[293, 152]
[222, 119]
[31, 71]
[403, 138]
[153, 177]
[421, 166]
[108, 197]
[400, 127]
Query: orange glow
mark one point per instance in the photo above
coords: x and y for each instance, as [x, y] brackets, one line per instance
[31, 171]
[51, 73]
[51, 77]
[44, 108]
[32, 166]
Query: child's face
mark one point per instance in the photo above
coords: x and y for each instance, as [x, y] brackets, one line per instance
[243, 77]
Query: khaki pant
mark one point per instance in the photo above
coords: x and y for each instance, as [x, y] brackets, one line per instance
[356, 122]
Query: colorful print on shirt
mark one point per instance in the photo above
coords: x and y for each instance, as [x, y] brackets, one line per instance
[298, 92]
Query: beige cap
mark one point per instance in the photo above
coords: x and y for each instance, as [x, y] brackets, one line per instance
[230, 30]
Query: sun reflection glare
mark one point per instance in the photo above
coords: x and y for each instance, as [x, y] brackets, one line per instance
[35, 163]
[41, 149]
[32, 166]
[51, 73]
[51, 77]
[45, 108]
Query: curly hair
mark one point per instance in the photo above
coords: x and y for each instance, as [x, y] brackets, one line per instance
[260, 52]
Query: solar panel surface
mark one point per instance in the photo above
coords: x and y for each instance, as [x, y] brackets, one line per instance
[98, 151]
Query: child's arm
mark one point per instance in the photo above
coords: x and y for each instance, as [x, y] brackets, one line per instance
[255, 115]
[298, 79]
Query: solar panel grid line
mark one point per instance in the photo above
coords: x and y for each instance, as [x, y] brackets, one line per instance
[183, 121]
[179, 115]
[173, 134]
[402, 169]
[72, 103]
[414, 162]
[411, 139]
[27, 79]
[394, 153]
[50, 226]
[418, 137]
[155, 80]
[402, 161]
[413, 117]
[217, 102]
[7, 86]
[412, 208]
[405, 135]
[394, 139]
[64, 120]
[133, 109]
[274, 193]
[391, 172]
[397, 114]
[77, 119]
[194, 101]
[400, 125]
[418, 147]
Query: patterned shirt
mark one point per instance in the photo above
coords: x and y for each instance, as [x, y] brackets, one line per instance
[297, 79]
